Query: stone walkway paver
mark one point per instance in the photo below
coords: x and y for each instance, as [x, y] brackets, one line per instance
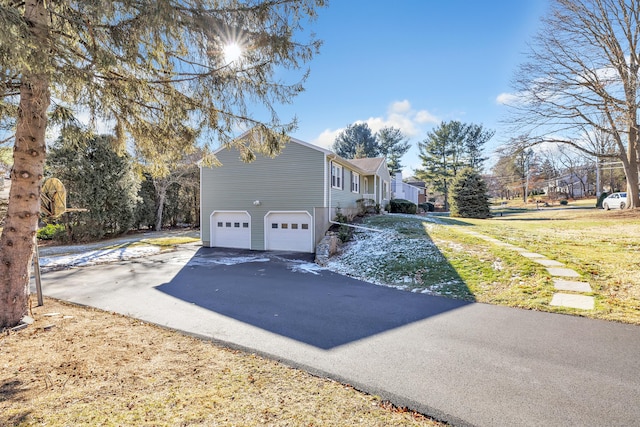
[560, 273]
[570, 285]
[582, 302]
[548, 262]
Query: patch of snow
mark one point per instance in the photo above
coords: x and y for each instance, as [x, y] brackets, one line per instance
[236, 260]
[305, 267]
[96, 257]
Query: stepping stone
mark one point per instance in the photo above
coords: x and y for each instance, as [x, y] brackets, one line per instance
[574, 301]
[562, 272]
[531, 255]
[568, 285]
[517, 249]
[547, 262]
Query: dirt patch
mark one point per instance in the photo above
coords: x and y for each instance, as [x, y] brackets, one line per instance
[81, 366]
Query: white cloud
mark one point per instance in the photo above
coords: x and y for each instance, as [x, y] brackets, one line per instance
[399, 115]
[326, 138]
[400, 107]
[507, 98]
[423, 116]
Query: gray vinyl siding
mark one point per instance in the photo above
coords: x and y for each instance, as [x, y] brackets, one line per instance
[383, 172]
[292, 181]
[344, 198]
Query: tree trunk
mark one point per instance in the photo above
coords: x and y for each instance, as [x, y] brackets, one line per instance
[161, 188]
[161, 198]
[21, 223]
[631, 169]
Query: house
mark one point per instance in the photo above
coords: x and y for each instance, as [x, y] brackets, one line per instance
[406, 191]
[286, 202]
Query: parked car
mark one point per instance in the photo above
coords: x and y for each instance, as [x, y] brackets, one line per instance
[615, 201]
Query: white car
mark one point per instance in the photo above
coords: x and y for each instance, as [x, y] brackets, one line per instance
[615, 201]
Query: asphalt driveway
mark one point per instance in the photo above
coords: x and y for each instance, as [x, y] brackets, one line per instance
[466, 363]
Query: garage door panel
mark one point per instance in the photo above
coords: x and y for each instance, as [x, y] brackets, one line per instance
[289, 231]
[231, 230]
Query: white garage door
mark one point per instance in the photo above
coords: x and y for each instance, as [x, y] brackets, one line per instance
[231, 229]
[288, 231]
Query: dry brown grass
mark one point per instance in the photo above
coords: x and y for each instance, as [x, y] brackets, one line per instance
[81, 366]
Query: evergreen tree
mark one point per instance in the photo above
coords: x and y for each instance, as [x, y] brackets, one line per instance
[356, 142]
[447, 149]
[468, 197]
[393, 145]
[156, 70]
[99, 179]
[146, 209]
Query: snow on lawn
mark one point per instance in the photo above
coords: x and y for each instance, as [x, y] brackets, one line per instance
[397, 256]
[101, 256]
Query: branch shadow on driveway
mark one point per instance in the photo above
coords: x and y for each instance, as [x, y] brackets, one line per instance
[315, 306]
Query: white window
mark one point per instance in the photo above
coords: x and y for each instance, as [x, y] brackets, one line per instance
[355, 182]
[385, 189]
[336, 176]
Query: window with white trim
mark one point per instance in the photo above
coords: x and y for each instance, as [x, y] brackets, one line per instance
[385, 189]
[355, 182]
[336, 176]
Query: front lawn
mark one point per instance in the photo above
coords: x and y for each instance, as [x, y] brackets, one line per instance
[435, 255]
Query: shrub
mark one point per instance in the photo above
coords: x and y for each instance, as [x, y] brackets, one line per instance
[51, 232]
[564, 202]
[468, 197]
[366, 206]
[344, 232]
[402, 206]
[601, 198]
[427, 206]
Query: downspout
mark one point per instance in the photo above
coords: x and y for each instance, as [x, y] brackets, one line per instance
[330, 157]
[355, 226]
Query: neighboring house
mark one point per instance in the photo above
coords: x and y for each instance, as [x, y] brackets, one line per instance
[404, 190]
[422, 195]
[572, 184]
[286, 202]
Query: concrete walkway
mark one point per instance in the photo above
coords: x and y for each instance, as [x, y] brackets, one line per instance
[564, 279]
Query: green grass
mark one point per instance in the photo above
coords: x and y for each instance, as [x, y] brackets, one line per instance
[601, 246]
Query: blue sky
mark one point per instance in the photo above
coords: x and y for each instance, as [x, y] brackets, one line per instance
[412, 64]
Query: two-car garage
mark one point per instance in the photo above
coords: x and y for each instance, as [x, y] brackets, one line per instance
[283, 230]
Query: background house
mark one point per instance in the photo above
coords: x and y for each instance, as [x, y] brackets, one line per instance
[287, 202]
[407, 191]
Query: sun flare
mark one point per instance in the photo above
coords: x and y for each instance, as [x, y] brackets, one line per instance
[232, 52]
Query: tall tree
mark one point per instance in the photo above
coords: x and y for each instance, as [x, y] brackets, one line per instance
[99, 179]
[582, 76]
[524, 163]
[475, 137]
[178, 171]
[448, 149]
[393, 145]
[356, 141]
[155, 69]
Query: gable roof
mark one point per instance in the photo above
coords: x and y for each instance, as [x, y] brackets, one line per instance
[365, 166]
[369, 164]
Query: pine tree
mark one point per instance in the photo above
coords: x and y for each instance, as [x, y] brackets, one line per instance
[356, 142]
[448, 149]
[393, 146]
[468, 197]
[155, 70]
